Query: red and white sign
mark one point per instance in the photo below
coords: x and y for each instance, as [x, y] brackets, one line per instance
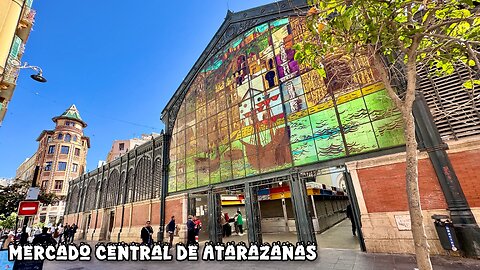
[28, 208]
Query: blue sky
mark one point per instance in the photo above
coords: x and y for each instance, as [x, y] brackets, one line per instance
[119, 62]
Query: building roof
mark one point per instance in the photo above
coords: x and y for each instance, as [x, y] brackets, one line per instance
[71, 113]
[43, 134]
[235, 23]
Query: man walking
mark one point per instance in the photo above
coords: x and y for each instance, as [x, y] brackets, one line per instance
[190, 231]
[73, 231]
[146, 234]
[240, 222]
[171, 230]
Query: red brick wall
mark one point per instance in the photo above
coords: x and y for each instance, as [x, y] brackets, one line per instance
[155, 213]
[118, 216]
[140, 214]
[384, 189]
[99, 219]
[126, 217]
[467, 167]
[174, 208]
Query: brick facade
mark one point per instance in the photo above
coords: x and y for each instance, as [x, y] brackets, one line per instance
[384, 187]
[467, 167]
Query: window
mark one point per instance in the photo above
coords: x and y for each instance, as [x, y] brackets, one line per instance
[51, 149]
[77, 151]
[44, 184]
[121, 146]
[62, 166]
[70, 124]
[48, 166]
[75, 167]
[49, 138]
[60, 136]
[68, 137]
[64, 149]
[75, 138]
[58, 184]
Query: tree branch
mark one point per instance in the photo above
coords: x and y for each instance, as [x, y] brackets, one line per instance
[380, 67]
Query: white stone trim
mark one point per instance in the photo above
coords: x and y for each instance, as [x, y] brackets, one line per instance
[352, 168]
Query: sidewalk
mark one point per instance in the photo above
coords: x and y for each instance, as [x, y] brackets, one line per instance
[327, 259]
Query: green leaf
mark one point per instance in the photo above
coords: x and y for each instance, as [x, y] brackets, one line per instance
[471, 83]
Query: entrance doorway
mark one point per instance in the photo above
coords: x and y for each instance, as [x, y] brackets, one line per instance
[336, 219]
[198, 208]
[85, 226]
[111, 222]
[306, 206]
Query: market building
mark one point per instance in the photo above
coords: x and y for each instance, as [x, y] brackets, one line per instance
[251, 127]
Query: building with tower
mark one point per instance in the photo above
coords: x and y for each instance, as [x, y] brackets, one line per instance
[62, 156]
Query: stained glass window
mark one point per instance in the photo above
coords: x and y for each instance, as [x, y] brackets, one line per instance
[253, 109]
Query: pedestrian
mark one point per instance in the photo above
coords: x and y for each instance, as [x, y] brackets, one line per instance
[235, 223]
[44, 238]
[240, 222]
[227, 227]
[146, 234]
[73, 231]
[352, 220]
[60, 233]
[171, 230]
[190, 231]
[24, 236]
[198, 225]
[56, 235]
[223, 222]
[66, 233]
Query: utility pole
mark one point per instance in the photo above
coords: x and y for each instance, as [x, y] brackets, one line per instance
[34, 184]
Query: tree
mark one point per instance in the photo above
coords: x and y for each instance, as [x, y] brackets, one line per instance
[48, 198]
[400, 37]
[8, 222]
[11, 196]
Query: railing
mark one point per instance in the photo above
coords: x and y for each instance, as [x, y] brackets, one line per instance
[29, 15]
[10, 74]
[22, 49]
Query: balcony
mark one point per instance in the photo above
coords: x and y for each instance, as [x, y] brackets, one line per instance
[10, 75]
[28, 17]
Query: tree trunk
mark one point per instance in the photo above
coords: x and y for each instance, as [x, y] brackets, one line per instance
[422, 249]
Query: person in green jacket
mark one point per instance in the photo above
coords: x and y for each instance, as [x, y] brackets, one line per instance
[240, 222]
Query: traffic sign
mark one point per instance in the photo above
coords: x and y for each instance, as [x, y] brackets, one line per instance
[28, 208]
[32, 193]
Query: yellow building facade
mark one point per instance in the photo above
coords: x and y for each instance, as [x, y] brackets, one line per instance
[16, 21]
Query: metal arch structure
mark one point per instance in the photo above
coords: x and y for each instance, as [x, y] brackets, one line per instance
[235, 24]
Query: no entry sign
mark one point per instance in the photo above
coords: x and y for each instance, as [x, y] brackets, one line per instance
[28, 208]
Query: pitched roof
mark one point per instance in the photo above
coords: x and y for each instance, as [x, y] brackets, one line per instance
[71, 113]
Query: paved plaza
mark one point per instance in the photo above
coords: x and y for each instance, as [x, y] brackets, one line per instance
[328, 259]
[338, 249]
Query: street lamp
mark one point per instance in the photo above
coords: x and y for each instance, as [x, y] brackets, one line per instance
[37, 77]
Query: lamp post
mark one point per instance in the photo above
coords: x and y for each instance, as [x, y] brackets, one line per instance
[37, 77]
